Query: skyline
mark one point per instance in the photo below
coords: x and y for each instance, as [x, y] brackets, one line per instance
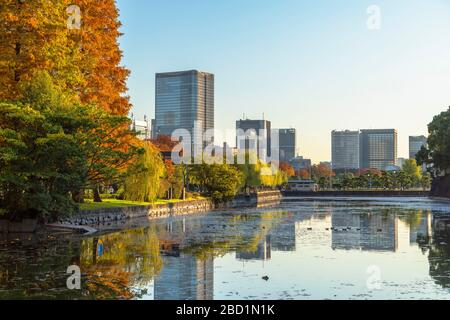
[293, 60]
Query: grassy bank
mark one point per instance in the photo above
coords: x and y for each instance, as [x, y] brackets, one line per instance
[114, 203]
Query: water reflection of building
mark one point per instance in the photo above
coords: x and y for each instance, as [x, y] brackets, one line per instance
[263, 251]
[379, 232]
[282, 237]
[346, 240]
[185, 277]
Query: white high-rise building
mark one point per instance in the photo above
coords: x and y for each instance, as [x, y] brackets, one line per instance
[345, 149]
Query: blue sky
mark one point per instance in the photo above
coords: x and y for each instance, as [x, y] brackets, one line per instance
[311, 65]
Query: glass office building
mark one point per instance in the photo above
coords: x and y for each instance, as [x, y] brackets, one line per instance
[257, 137]
[184, 100]
[287, 144]
[415, 144]
[378, 148]
[345, 149]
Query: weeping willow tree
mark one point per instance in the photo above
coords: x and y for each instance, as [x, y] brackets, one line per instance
[143, 178]
[271, 177]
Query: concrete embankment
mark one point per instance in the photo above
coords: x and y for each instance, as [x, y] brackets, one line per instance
[105, 216]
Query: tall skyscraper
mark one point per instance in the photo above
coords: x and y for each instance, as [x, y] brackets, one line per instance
[184, 100]
[257, 132]
[287, 144]
[415, 144]
[345, 149]
[378, 148]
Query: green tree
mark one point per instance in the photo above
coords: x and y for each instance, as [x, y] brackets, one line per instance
[413, 171]
[171, 185]
[41, 162]
[425, 181]
[143, 178]
[221, 182]
[387, 180]
[438, 142]
[105, 139]
[348, 181]
[251, 173]
[402, 180]
[52, 148]
[109, 145]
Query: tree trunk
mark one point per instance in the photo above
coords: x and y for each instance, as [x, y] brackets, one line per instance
[97, 197]
[77, 196]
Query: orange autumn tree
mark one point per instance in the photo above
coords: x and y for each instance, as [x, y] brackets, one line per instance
[105, 78]
[288, 169]
[83, 61]
[34, 37]
[304, 174]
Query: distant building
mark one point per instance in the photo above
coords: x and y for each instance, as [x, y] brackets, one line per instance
[392, 168]
[184, 100]
[415, 144]
[142, 128]
[228, 149]
[257, 136]
[299, 163]
[287, 144]
[153, 129]
[345, 149]
[302, 185]
[400, 162]
[282, 236]
[378, 148]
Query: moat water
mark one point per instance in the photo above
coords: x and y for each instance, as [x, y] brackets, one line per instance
[336, 248]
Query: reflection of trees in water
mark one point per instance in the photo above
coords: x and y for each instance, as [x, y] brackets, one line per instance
[439, 253]
[37, 270]
[128, 259]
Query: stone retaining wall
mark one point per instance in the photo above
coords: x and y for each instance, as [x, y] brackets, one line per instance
[102, 216]
[93, 217]
[259, 199]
